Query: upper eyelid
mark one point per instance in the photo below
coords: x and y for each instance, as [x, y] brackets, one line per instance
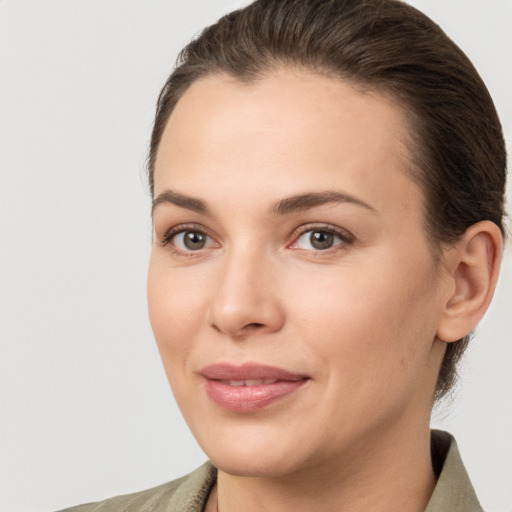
[168, 234]
[187, 226]
[342, 232]
[346, 240]
[292, 237]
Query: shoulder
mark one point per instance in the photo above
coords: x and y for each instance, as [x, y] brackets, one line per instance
[188, 493]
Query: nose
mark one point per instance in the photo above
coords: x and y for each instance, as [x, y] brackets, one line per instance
[246, 299]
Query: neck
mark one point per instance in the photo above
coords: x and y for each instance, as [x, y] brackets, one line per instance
[392, 473]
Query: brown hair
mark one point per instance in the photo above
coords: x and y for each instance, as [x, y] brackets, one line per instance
[459, 156]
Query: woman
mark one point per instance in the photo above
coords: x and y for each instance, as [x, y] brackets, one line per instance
[327, 182]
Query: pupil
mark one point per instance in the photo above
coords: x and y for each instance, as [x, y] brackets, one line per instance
[321, 240]
[194, 240]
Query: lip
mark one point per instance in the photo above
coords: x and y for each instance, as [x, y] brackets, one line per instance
[251, 397]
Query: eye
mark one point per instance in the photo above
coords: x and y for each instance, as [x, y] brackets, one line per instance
[188, 240]
[320, 239]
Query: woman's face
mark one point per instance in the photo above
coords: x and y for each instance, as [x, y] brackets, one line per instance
[292, 291]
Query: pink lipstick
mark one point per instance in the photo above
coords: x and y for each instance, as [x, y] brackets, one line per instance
[249, 387]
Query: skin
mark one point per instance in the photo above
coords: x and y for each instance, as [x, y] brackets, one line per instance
[360, 319]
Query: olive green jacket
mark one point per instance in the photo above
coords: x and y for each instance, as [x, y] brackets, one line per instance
[453, 492]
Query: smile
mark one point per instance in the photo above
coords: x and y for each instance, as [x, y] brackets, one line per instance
[249, 387]
[249, 382]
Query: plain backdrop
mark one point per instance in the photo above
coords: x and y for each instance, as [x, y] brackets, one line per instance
[86, 409]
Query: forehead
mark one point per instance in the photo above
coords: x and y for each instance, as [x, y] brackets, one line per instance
[288, 129]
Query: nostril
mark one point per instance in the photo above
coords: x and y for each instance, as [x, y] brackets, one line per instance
[249, 327]
[254, 326]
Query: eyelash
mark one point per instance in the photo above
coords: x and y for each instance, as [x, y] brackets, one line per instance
[168, 236]
[345, 237]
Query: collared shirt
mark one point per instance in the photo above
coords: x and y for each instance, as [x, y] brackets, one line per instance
[452, 493]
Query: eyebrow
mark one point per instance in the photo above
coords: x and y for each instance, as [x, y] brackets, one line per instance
[303, 202]
[299, 202]
[190, 203]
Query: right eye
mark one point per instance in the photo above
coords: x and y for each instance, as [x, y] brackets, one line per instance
[188, 240]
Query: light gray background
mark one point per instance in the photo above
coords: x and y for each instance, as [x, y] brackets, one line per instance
[86, 410]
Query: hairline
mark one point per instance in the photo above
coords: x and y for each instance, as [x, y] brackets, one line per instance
[413, 157]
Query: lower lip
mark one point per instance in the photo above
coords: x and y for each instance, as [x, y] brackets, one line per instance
[250, 398]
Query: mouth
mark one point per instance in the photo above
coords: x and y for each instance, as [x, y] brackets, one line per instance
[248, 382]
[249, 387]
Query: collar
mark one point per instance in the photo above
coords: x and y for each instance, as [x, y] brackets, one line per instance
[453, 491]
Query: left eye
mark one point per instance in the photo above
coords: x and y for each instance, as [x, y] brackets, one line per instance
[318, 240]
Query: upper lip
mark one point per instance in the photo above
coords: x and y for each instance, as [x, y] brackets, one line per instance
[248, 371]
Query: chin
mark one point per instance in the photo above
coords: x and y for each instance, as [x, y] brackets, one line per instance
[254, 452]
[249, 465]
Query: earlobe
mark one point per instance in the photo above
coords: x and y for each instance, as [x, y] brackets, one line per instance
[473, 268]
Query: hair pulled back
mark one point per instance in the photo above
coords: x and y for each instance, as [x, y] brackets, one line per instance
[458, 150]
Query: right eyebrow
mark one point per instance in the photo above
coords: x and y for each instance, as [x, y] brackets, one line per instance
[181, 200]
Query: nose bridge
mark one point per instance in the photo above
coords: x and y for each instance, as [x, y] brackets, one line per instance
[245, 298]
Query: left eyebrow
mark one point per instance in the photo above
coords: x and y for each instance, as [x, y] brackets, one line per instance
[303, 202]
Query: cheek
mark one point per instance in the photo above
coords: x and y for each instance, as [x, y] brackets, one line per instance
[174, 301]
[373, 325]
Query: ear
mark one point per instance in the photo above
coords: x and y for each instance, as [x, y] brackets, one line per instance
[473, 267]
